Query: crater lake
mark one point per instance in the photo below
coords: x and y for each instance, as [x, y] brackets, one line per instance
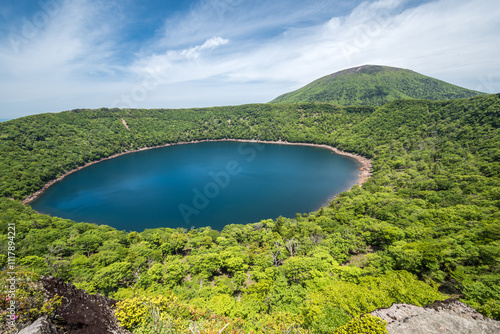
[201, 184]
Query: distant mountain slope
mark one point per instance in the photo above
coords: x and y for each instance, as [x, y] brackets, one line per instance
[374, 85]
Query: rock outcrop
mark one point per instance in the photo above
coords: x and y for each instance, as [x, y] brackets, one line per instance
[449, 316]
[41, 326]
[79, 313]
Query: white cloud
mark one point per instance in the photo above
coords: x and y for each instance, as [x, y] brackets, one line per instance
[212, 43]
[59, 62]
[70, 36]
[447, 39]
[181, 65]
[242, 19]
[243, 52]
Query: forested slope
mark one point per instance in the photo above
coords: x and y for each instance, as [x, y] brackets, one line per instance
[425, 226]
[374, 85]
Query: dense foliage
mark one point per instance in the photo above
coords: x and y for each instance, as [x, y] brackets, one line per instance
[374, 85]
[425, 225]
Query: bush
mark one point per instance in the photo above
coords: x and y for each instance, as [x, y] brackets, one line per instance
[28, 295]
[365, 324]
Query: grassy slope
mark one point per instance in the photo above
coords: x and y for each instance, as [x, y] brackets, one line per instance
[374, 85]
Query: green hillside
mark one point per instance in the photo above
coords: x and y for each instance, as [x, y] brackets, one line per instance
[425, 226]
[374, 85]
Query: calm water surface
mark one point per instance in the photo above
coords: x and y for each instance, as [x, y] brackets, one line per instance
[204, 184]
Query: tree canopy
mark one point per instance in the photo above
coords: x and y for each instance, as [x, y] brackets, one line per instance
[425, 226]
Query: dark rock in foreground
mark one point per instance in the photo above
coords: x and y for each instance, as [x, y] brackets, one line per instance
[79, 313]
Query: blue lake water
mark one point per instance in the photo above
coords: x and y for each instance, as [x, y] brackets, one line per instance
[203, 184]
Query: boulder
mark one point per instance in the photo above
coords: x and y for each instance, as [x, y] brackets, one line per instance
[41, 326]
[80, 312]
[449, 316]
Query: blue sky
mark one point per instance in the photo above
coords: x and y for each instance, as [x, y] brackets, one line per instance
[64, 54]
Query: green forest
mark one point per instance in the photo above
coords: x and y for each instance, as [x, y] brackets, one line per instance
[424, 227]
[374, 85]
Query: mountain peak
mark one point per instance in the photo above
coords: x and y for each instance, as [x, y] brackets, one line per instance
[374, 85]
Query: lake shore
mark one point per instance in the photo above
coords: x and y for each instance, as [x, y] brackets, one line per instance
[364, 170]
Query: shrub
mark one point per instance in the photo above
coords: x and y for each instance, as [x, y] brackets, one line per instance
[365, 324]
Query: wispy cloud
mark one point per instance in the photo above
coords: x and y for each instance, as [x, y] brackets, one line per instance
[68, 56]
[241, 19]
[195, 52]
[234, 51]
[182, 65]
[440, 38]
[74, 34]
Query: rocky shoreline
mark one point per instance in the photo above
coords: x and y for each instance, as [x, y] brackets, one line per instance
[364, 170]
